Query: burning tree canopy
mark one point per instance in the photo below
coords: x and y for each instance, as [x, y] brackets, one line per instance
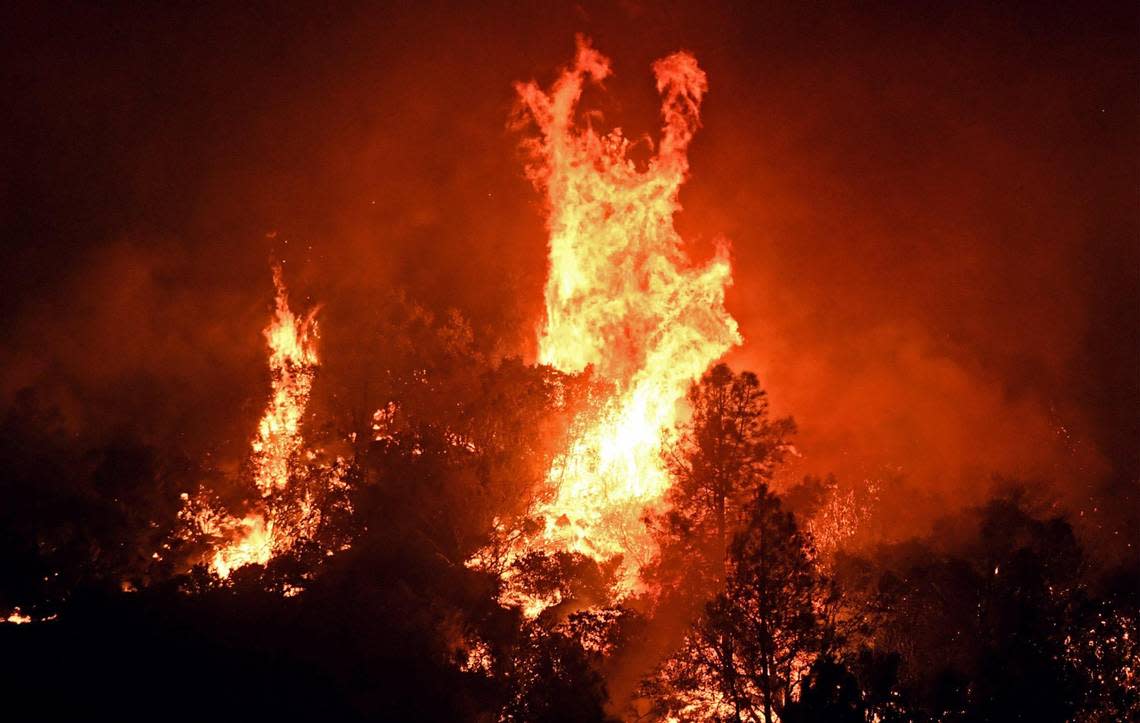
[552, 493]
[290, 509]
[623, 299]
[292, 365]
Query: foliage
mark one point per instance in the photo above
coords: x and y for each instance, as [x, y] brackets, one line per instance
[998, 614]
[724, 455]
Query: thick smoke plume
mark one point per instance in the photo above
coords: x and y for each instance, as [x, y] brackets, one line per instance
[934, 247]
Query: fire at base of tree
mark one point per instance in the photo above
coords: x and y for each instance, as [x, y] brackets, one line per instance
[998, 614]
[437, 530]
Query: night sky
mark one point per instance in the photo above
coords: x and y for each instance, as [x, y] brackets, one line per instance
[932, 209]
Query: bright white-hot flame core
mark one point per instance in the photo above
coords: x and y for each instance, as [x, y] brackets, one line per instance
[253, 546]
[623, 297]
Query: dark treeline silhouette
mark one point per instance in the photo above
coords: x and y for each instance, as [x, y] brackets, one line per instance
[999, 614]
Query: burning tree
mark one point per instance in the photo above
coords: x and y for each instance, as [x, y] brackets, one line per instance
[295, 488]
[588, 535]
[623, 299]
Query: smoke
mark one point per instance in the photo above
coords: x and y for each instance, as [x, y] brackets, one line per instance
[932, 223]
[132, 344]
[922, 243]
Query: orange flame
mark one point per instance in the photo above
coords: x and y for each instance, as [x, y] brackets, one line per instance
[623, 297]
[254, 546]
[292, 364]
[262, 533]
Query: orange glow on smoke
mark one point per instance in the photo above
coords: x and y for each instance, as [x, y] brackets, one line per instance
[623, 297]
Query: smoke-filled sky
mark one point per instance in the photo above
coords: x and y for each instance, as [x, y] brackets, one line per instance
[932, 210]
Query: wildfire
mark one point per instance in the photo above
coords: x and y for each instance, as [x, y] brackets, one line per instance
[292, 365]
[254, 545]
[622, 297]
[278, 521]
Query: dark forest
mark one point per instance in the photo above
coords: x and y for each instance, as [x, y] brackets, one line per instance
[600, 361]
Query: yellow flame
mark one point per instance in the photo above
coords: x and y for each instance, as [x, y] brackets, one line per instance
[623, 297]
[258, 536]
[254, 546]
[292, 365]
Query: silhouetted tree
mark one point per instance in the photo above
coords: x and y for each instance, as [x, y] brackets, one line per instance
[829, 694]
[777, 595]
[755, 640]
[79, 510]
[984, 615]
[727, 538]
[553, 679]
[723, 456]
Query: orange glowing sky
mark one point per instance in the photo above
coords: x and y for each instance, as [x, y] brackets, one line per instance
[933, 224]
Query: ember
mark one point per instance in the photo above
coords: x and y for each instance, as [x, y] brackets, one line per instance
[760, 363]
